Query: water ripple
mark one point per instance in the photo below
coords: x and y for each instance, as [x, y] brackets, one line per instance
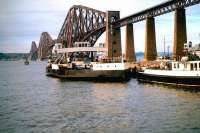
[32, 102]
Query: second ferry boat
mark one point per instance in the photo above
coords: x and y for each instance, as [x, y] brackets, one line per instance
[184, 73]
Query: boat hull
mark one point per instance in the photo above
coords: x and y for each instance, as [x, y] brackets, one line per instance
[90, 75]
[184, 81]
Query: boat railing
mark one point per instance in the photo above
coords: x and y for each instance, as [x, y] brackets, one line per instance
[110, 60]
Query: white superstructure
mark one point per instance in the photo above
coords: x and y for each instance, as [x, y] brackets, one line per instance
[186, 66]
[172, 73]
[56, 47]
[55, 67]
[178, 68]
[108, 66]
[72, 61]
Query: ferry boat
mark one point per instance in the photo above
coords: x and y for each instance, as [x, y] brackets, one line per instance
[71, 67]
[185, 73]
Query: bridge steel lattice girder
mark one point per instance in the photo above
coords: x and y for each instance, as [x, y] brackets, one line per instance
[157, 10]
[80, 22]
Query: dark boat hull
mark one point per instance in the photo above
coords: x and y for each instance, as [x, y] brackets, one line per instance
[189, 81]
[90, 75]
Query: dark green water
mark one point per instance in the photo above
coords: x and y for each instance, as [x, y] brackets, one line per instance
[30, 102]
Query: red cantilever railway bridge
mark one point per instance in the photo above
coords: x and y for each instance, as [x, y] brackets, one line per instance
[87, 24]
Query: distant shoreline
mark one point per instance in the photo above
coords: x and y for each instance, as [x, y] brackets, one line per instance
[12, 56]
[22, 56]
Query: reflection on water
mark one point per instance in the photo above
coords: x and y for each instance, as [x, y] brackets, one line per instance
[180, 87]
[110, 85]
[107, 91]
[32, 102]
[108, 98]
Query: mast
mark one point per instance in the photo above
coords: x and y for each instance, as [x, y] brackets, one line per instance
[168, 50]
[199, 37]
[164, 47]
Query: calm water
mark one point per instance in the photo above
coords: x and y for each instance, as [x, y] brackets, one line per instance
[30, 102]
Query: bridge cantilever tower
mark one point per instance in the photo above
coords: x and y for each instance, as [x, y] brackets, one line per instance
[45, 46]
[113, 35]
[80, 22]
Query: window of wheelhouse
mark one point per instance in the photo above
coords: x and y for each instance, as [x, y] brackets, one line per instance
[199, 65]
[185, 65]
[195, 66]
[174, 65]
[191, 66]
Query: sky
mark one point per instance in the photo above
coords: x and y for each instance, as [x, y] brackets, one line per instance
[22, 21]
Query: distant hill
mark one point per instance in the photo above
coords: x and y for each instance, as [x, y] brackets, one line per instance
[12, 56]
[140, 55]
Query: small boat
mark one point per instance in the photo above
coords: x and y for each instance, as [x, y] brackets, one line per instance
[185, 72]
[26, 62]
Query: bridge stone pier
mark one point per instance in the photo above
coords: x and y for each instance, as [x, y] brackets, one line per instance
[180, 33]
[113, 35]
[150, 40]
[129, 45]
